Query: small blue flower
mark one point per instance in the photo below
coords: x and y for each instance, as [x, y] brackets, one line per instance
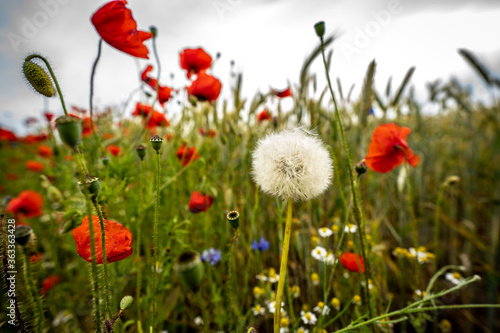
[211, 255]
[262, 245]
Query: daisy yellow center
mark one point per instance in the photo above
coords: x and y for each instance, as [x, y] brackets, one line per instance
[315, 277]
[457, 275]
[308, 316]
[324, 230]
[318, 251]
[258, 308]
[321, 305]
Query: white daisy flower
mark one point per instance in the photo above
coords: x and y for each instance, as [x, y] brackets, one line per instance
[302, 330]
[322, 309]
[308, 317]
[258, 310]
[325, 232]
[351, 228]
[198, 321]
[455, 278]
[261, 277]
[271, 307]
[292, 164]
[319, 253]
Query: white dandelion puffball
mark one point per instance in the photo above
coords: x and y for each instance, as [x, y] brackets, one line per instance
[292, 164]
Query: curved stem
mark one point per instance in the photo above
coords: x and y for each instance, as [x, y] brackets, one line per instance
[358, 212]
[283, 267]
[91, 97]
[104, 258]
[155, 241]
[53, 78]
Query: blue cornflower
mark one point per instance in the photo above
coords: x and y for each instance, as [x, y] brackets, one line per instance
[262, 245]
[211, 255]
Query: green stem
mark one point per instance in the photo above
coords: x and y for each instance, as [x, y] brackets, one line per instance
[138, 242]
[104, 258]
[53, 78]
[35, 299]
[91, 97]
[358, 213]
[436, 225]
[155, 241]
[283, 267]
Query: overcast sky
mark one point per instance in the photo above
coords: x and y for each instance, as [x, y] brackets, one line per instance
[268, 40]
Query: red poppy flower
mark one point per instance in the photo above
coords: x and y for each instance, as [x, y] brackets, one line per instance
[35, 138]
[211, 132]
[187, 155]
[49, 116]
[118, 240]
[28, 203]
[35, 166]
[170, 136]
[282, 94]
[142, 109]
[164, 93]
[50, 282]
[205, 87]
[45, 151]
[264, 115]
[350, 262]
[117, 27]
[107, 136]
[199, 202]
[114, 150]
[195, 61]
[68, 158]
[389, 149]
[157, 119]
[6, 135]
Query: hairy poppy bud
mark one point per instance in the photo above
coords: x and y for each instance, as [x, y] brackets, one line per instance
[361, 168]
[156, 142]
[70, 130]
[234, 219]
[38, 78]
[23, 234]
[126, 302]
[189, 269]
[141, 151]
[92, 185]
[320, 28]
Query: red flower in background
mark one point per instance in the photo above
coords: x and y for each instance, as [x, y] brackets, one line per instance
[350, 262]
[6, 135]
[205, 87]
[50, 282]
[28, 203]
[35, 138]
[118, 240]
[34, 258]
[49, 116]
[187, 155]
[211, 132]
[195, 61]
[117, 27]
[389, 149]
[282, 94]
[114, 150]
[157, 119]
[12, 176]
[35, 166]
[142, 109]
[199, 202]
[45, 151]
[264, 115]
[107, 136]
[164, 93]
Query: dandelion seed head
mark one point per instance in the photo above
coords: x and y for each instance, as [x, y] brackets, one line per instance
[292, 164]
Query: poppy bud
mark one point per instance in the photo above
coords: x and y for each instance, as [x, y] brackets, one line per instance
[105, 160]
[153, 30]
[23, 235]
[361, 168]
[38, 78]
[141, 151]
[189, 269]
[92, 185]
[234, 219]
[70, 130]
[126, 302]
[320, 28]
[156, 142]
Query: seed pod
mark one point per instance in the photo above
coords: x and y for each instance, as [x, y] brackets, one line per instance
[141, 151]
[156, 142]
[70, 130]
[92, 185]
[38, 78]
[234, 219]
[189, 269]
[320, 28]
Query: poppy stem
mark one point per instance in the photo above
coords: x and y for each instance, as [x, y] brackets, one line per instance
[33, 56]
[155, 241]
[358, 212]
[104, 257]
[91, 97]
[283, 267]
[34, 297]
[138, 249]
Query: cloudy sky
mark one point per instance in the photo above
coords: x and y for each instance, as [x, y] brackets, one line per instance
[268, 40]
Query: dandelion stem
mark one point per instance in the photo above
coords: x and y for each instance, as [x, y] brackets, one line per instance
[283, 267]
[358, 213]
[155, 241]
[53, 78]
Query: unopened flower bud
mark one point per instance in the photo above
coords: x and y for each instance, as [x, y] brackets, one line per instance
[156, 142]
[126, 302]
[23, 235]
[320, 28]
[234, 219]
[361, 168]
[38, 78]
[189, 269]
[70, 130]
